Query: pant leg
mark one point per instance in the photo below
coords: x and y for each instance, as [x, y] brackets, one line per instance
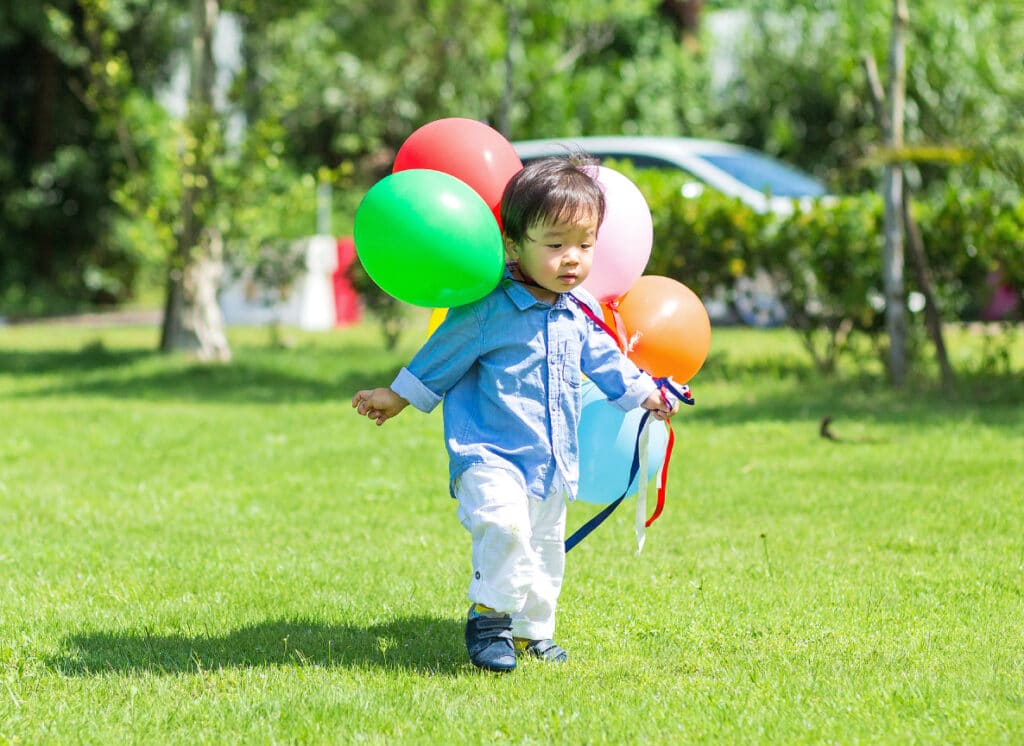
[494, 508]
[536, 620]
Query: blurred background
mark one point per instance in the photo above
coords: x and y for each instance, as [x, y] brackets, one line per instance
[152, 151]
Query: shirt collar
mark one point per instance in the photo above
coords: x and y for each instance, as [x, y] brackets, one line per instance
[523, 299]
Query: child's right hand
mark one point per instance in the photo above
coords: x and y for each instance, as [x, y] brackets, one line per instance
[660, 405]
[379, 405]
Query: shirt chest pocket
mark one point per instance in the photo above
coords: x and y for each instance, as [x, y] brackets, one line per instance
[571, 374]
[568, 367]
[567, 350]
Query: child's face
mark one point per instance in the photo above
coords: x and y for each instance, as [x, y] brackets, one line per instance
[556, 255]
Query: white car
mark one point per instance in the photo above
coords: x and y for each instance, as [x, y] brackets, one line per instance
[760, 181]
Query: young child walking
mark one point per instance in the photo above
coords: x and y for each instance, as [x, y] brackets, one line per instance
[508, 369]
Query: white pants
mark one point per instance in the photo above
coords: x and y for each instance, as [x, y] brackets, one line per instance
[518, 548]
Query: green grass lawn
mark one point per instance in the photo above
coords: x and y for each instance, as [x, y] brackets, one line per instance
[195, 554]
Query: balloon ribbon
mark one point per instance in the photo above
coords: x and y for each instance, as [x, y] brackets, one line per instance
[666, 386]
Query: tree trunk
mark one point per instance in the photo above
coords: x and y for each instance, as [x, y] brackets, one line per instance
[918, 254]
[685, 14]
[192, 319]
[923, 271]
[893, 259]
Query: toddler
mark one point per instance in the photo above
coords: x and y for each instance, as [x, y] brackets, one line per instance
[508, 369]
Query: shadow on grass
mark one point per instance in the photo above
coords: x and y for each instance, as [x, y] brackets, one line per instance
[89, 360]
[253, 377]
[783, 390]
[993, 400]
[420, 643]
[238, 383]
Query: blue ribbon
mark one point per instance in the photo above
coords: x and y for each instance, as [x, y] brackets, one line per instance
[587, 528]
[583, 531]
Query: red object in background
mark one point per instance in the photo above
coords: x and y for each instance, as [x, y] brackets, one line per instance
[1004, 301]
[346, 302]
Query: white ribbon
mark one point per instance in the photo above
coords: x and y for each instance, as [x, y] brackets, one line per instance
[641, 493]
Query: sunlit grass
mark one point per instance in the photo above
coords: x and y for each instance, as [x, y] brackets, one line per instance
[219, 555]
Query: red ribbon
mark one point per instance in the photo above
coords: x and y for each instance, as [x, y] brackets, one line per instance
[663, 478]
[619, 334]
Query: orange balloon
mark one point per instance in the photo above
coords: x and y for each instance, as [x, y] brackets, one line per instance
[668, 329]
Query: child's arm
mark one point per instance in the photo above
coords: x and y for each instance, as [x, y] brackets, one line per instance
[379, 404]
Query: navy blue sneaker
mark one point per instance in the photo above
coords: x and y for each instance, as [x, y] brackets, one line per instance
[546, 650]
[489, 639]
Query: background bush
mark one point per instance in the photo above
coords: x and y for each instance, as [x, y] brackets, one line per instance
[827, 259]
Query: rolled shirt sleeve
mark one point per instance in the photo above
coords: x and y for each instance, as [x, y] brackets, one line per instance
[442, 360]
[412, 390]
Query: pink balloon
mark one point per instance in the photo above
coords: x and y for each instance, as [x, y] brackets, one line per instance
[624, 241]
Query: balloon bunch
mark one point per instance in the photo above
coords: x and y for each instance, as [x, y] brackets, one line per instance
[428, 233]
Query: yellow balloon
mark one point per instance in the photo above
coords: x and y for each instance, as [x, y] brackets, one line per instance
[436, 317]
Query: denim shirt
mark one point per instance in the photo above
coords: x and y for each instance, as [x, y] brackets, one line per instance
[508, 368]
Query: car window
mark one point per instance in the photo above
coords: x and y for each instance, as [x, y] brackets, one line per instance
[765, 175]
[642, 161]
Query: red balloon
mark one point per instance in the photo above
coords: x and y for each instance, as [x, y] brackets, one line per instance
[466, 149]
[668, 332]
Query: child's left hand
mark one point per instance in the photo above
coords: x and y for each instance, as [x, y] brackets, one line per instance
[661, 406]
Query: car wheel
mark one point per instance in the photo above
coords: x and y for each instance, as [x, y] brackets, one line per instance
[757, 301]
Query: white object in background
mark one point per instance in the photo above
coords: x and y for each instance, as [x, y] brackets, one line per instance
[308, 305]
[311, 303]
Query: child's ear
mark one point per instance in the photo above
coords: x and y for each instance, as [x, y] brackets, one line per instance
[511, 249]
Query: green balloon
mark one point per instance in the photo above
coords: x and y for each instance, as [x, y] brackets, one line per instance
[428, 239]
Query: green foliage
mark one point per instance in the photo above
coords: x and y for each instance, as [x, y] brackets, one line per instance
[603, 68]
[149, 199]
[827, 261]
[970, 236]
[801, 92]
[704, 241]
[66, 76]
[826, 258]
[353, 82]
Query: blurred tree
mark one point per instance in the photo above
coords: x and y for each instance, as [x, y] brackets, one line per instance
[66, 145]
[348, 82]
[799, 91]
[94, 175]
[192, 318]
[600, 68]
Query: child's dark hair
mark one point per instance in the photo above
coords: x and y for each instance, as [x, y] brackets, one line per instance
[557, 188]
